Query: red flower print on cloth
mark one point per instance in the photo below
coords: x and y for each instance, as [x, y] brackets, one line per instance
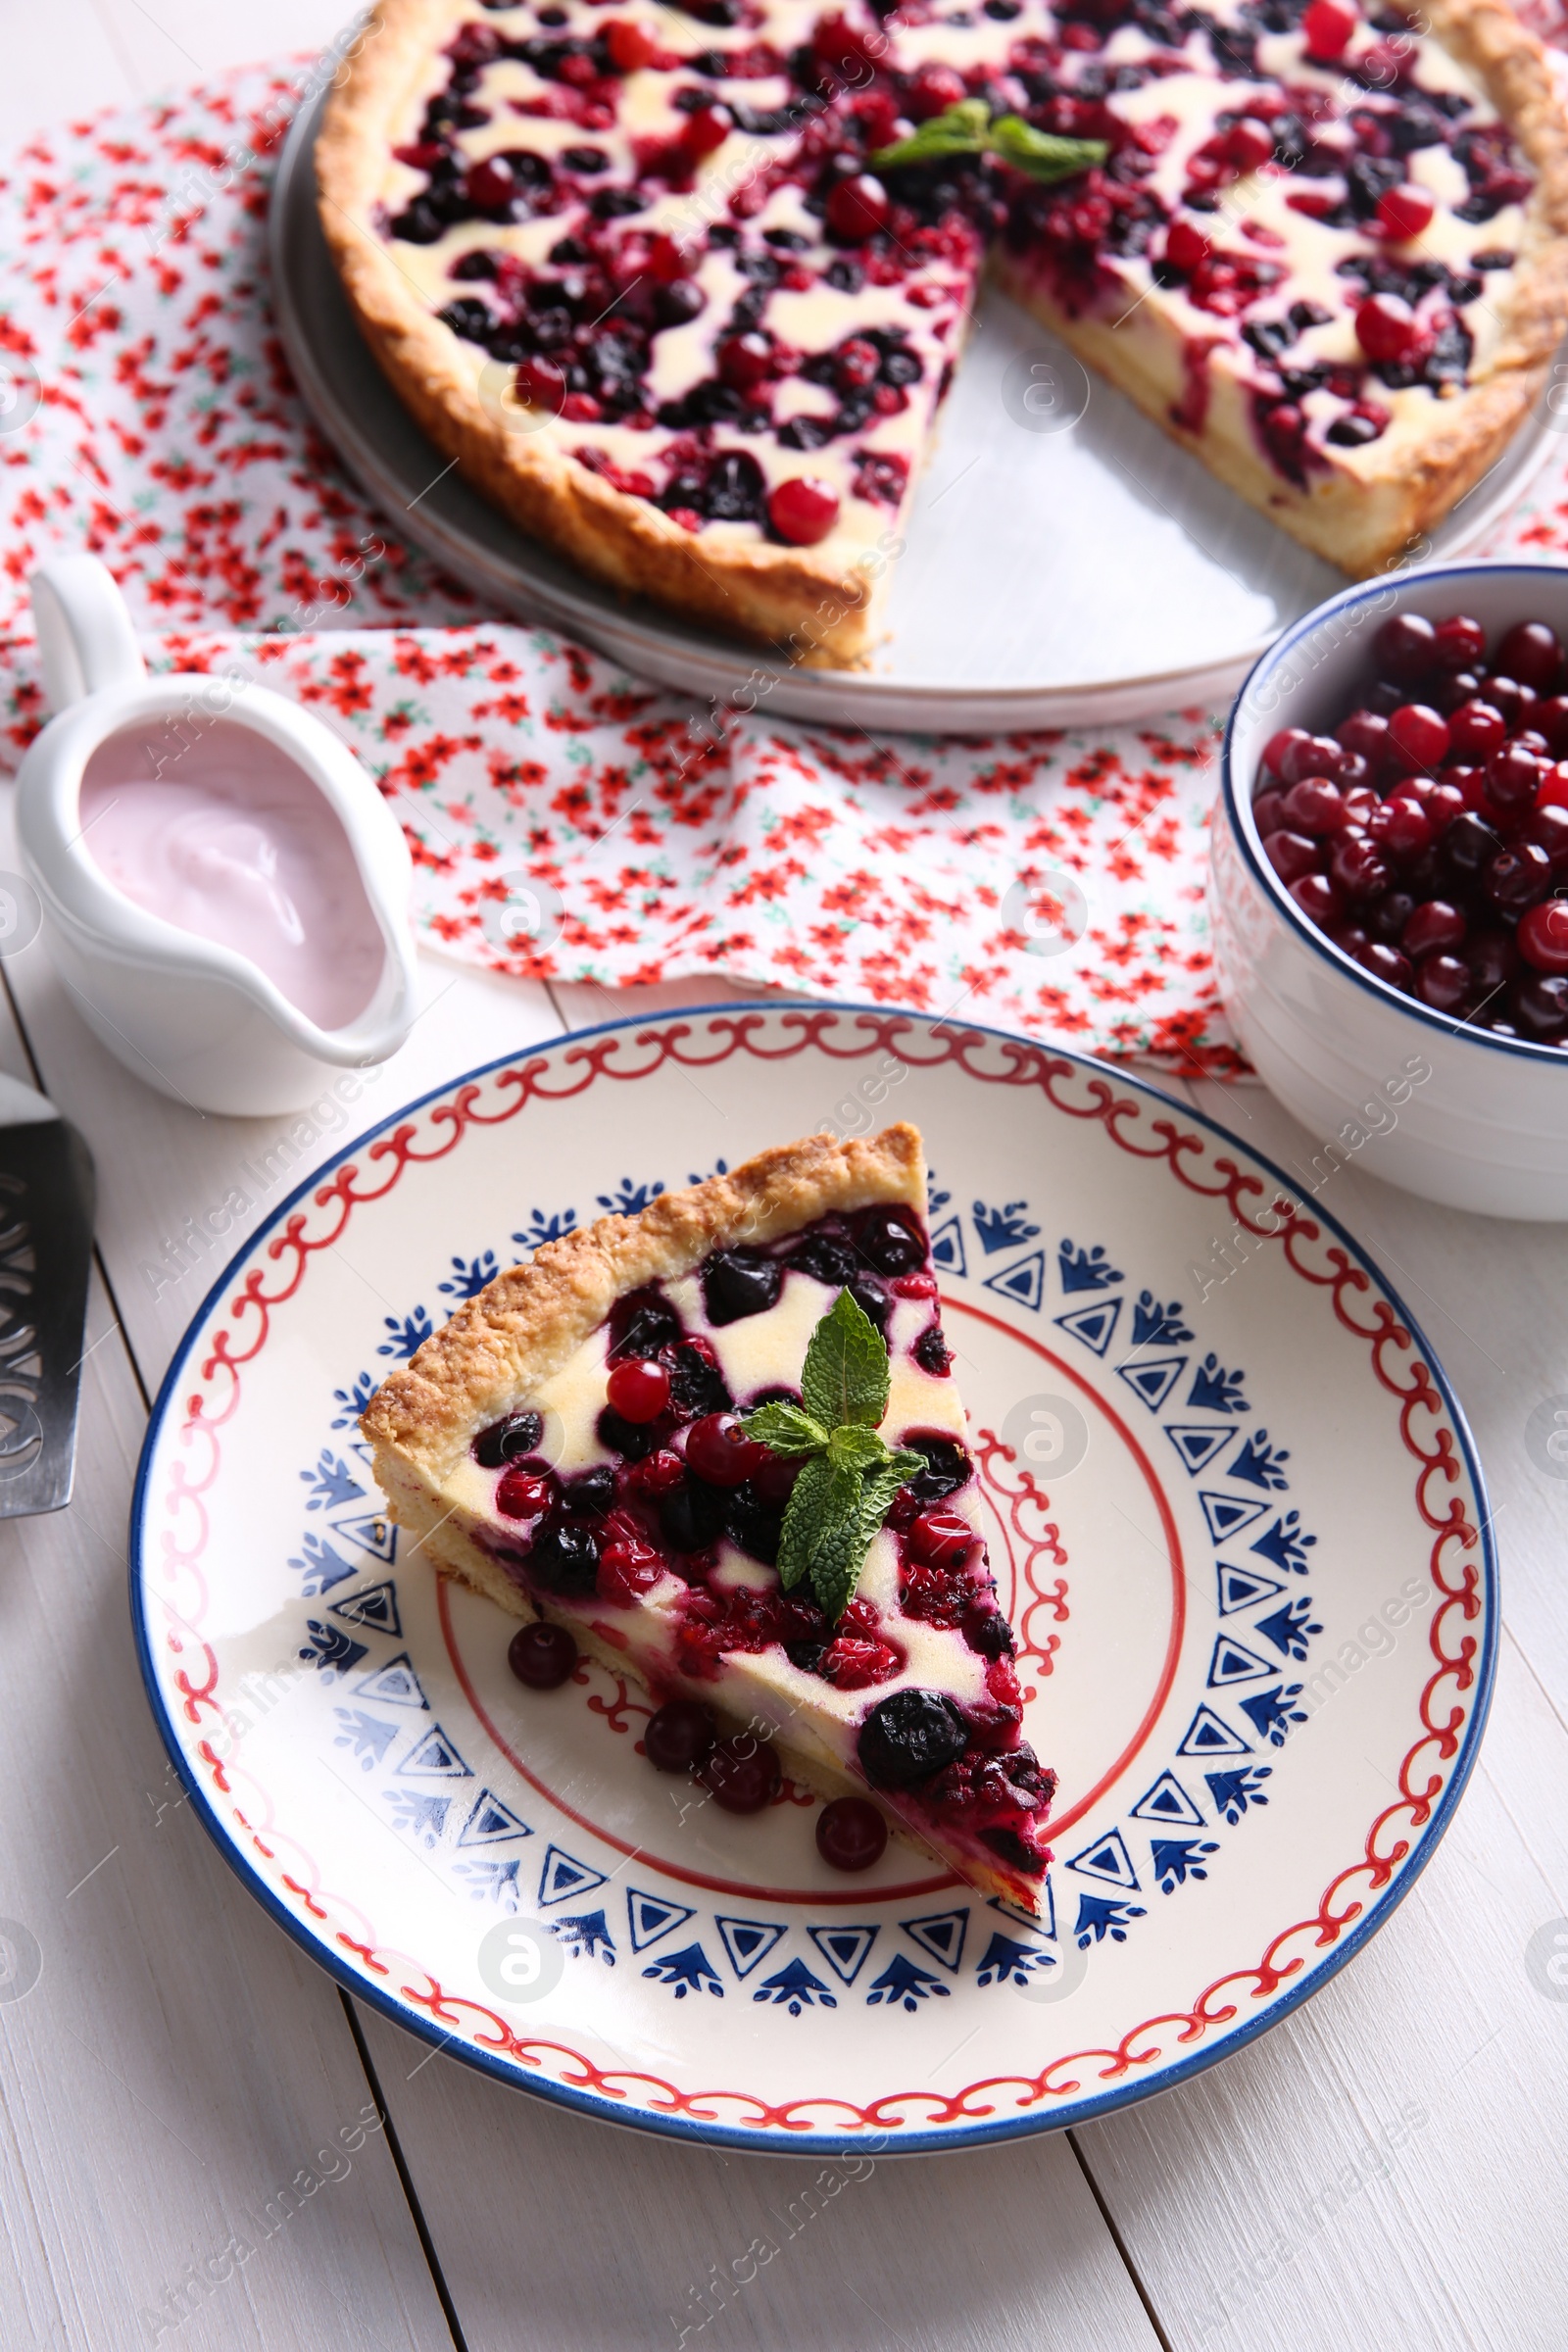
[1051, 883]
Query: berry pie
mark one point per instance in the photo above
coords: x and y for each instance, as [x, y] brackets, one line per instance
[719, 1445]
[681, 289]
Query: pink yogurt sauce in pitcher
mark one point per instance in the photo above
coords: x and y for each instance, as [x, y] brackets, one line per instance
[229, 839]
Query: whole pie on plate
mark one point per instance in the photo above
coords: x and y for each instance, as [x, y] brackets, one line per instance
[813, 1572]
[681, 289]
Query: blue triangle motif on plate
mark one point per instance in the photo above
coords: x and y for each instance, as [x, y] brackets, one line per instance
[747, 1941]
[941, 1933]
[947, 1249]
[1107, 1858]
[1043, 1926]
[1197, 1446]
[1095, 1325]
[1239, 1588]
[1228, 1514]
[1208, 1736]
[396, 1683]
[651, 1916]
[1231, 1663]
[491, 1823]
[376, 1607]
[1153, 1380]
[374, 1533]
[1167, 1800]
[435, 1757]
[562, 1876]
[1024, 1282]
[845, 1949]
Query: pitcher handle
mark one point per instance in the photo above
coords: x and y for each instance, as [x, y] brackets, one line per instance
[85, 640]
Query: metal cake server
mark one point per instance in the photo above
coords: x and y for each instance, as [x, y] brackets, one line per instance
[46, 1205]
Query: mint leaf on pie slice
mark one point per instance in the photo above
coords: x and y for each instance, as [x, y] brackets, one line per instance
[786, 1429]
[825, 1499]
[845, 1377]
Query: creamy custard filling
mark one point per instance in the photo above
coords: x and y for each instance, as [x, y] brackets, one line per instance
[656, 237]
[630, 1529]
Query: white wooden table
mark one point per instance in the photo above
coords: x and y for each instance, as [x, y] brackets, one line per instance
[1385, 2170]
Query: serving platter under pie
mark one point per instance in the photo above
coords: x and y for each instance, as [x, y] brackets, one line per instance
[1233, 1512]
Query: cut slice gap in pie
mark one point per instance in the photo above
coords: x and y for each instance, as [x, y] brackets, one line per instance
[655, 1540]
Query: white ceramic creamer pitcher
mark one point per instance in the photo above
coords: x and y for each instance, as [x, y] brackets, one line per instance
[184, 832]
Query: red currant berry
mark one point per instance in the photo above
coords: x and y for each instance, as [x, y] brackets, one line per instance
[851, 1833]
[491, 186]
[1318, 900]
[1419, 735]
[1442, 982]
[850, 1664]
[1548, 827]
[630, 46]
[743, 1775]
[1366, 733]
[1533, 654]
[1516, 878]
[1461, 643]
[1552, 718]
[1476, 730]
[719, 1449]
[857, 208]
[1543, 936]
[1275, 750]
[1385, 964]
[1320, 756]
[541, 384]
[706, 132]
[1513, 778]
[679, 1735]
[1268, 813]
[1404, 212]
[1436, 928]
[1314, 807]
[1540, 1007]
[1513, 697]
[744, 361]
[933, 90]
[1248, 144]
[941, 1538]
[1358, 868]
[1406, 647]
[627, 1570]
[1443, 801]
[802, 510]
[1552, 790]
[525, 1489]
[1291, 855]
[542, 1655]
[1387, 329]
[638, 1389]
[1328, 27]
[1401, 828]
[1187, 248]
[657, 1474]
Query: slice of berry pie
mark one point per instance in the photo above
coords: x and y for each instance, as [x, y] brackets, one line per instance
[720, 1443]
[681, 288]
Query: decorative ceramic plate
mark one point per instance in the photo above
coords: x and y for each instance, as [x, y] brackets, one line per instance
[1067, 563]
[1234, 1512]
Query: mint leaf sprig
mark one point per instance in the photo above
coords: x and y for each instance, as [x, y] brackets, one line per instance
[849, 1472]
[967, 128]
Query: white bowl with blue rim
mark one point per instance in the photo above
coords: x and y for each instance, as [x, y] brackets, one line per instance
[1452, 1112]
